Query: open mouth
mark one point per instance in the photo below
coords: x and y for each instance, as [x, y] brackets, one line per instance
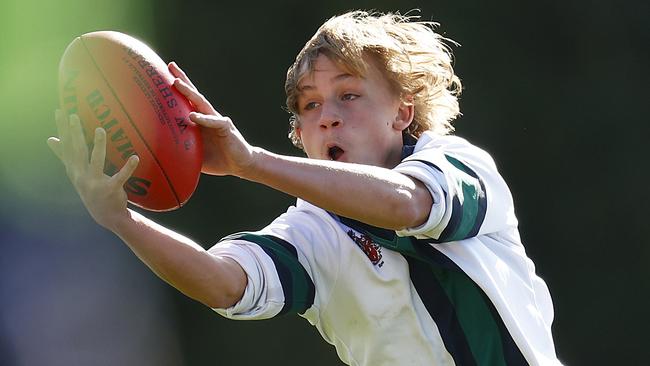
[334, 152]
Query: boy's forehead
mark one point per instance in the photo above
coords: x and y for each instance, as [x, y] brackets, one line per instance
[324, 67]
[308, 82]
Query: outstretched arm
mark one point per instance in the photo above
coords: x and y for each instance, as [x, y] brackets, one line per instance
[215, 281]
[377, 196]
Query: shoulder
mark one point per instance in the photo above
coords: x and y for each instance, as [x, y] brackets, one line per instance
[469, 192]
[315, 234]
[303, 221]
[453, 146]
[452, 155]
[293, 261]
[306, 231]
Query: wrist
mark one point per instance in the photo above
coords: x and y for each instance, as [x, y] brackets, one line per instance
[117, 222]
[259, 159]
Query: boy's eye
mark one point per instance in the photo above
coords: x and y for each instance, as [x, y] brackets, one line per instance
[311, 105]
[349, 96]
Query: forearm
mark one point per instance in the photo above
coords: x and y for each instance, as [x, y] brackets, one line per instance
[374, 195]
[217, 282]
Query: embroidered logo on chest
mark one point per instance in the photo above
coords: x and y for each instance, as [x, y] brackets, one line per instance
[372, 250]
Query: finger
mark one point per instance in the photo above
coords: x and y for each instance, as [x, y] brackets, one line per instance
[200, 102]
[98, 156]
[55, 145]
[63, 127]
[212, 121]
[59, 118]
[80, 149]
[127, 170]
[179, 73]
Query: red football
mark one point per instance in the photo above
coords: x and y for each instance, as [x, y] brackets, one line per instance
[114, 81]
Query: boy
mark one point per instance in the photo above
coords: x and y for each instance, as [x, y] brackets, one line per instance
[403, 246]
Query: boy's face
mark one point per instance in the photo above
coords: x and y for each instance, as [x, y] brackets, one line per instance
[351, 119]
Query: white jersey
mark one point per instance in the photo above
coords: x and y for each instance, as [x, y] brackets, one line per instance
[458, 290]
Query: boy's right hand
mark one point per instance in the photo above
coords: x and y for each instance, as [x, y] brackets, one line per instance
[104, 196]
[225, 151]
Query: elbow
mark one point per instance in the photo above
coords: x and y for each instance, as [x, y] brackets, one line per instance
[227, 287]
[221, 301]
[411, 210]
[409, 215]
[224, 297]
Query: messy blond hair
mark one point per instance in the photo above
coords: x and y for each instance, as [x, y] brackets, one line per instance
[414, 59]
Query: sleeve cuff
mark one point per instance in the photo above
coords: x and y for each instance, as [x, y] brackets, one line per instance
[263, 297]
[432, 228]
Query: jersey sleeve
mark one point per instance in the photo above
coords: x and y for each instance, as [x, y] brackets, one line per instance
[263, 296]
[470, 198]
[282, 263]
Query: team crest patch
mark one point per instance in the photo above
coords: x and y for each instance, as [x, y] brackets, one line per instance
[372, 250]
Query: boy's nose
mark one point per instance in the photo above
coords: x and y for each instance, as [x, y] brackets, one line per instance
[330, 123]
[329, 119]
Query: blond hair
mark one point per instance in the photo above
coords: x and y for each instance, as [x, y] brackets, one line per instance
[415, 60]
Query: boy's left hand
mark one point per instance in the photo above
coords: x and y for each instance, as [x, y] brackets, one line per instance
[225, 151]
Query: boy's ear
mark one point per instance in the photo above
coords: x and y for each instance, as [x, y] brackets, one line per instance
[299, 133]
[404, 116]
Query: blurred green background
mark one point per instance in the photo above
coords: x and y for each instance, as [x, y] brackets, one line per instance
[556, 91]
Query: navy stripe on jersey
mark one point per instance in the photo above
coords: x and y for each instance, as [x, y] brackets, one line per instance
[469, 324]
[408, 145]
[511, 352]
[468, 202]
[485, 333]
[297, 286]
[442, 311]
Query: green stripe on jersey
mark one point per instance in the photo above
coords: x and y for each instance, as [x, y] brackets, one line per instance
[452, 299]
[471, 208]
[474, 315]
[297, 286]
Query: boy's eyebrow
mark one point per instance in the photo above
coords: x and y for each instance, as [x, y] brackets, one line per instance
[337, 78]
